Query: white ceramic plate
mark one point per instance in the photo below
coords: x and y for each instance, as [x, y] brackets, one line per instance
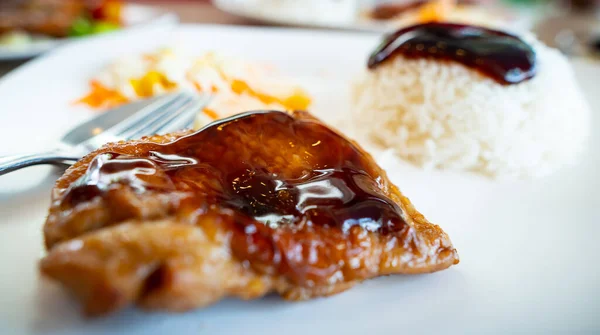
[529, 250]
[135, 16]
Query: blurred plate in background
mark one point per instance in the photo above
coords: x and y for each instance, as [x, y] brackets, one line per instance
[356, 14]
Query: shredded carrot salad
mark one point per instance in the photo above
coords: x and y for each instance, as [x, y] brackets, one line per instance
[235, 86]
[101, 96]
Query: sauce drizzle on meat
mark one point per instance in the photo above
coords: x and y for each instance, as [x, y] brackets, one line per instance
[334, 188]
[290, 187]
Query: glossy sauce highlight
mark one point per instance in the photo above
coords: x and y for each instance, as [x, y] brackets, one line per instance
[503, 57]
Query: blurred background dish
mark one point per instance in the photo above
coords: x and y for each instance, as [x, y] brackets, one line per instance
[398, 14]
[313, 14]
[569, 25]
[31, 27]
[54, 18]
[373, 15]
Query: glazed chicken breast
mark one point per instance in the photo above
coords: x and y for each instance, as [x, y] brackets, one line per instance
[261, 202]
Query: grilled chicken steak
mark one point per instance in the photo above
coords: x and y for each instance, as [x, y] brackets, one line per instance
[257, 203]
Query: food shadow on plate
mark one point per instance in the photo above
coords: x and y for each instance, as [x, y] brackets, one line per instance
[29, 181]
[57, 312]
[54, 310]
[29, 187]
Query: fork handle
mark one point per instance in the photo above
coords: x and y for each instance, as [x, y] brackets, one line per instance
[16, 162]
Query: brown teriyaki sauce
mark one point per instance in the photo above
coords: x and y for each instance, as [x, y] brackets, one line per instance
[503, 57]
[283, 177]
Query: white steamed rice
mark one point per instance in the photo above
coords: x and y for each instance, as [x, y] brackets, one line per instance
[444, 115]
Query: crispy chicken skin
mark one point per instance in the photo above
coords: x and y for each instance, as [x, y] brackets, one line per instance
[180, 221]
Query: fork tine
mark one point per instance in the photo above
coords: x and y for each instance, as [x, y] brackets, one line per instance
[140, 117]
[132, 123]
[185, 116]
[152, 126]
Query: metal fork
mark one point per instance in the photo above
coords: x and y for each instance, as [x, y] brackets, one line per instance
[165, 115]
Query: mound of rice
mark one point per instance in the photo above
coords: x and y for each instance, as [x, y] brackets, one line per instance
[444, 115]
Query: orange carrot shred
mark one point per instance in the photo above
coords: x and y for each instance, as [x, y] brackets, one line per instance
[211, 113]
